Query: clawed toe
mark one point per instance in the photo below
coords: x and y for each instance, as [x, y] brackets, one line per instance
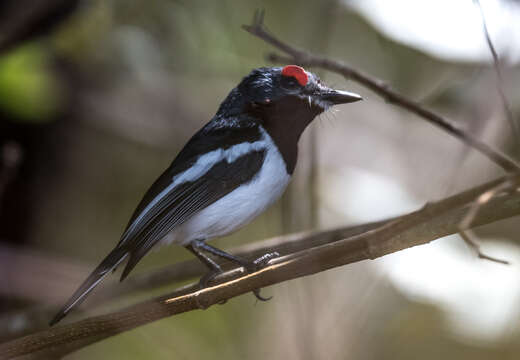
[258, 264]
[264, 259]
[256, 292]
[249, 266]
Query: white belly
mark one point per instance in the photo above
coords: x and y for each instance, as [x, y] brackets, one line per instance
[239, 207]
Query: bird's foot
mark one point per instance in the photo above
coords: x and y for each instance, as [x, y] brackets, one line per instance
[257, 264]
[256, 293]
[264, 259]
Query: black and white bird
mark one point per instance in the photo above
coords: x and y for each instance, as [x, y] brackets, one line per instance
[228, 173]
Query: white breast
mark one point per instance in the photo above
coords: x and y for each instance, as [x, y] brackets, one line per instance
[242, 205]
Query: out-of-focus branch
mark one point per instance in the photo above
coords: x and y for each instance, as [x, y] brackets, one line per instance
[433, 221]
[10, 159]
[37, 277]
[24, 20]
[305, 58]
[500, 82]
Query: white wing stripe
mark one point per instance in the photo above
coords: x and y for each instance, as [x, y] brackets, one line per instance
[207, 161]
[203, 164]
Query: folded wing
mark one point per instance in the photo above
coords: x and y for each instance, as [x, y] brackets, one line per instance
[169, 203]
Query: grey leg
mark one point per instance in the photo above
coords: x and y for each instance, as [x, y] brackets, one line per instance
[249, 266]
[214, 268]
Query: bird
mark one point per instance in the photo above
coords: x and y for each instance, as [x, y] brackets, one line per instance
[228, 173]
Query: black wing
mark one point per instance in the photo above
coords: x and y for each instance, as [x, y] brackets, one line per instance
[164, 207]
[209, 138]
[182, 202]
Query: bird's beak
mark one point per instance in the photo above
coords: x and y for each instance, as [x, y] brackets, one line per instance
[336, 97]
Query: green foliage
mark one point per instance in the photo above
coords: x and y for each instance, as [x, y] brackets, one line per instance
[28, 89]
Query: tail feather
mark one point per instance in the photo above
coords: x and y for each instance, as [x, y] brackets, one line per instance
[135, 257]
[108, 264]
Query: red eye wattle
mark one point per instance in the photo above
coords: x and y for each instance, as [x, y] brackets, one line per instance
[296, 72]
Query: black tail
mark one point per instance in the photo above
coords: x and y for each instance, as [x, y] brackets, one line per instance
[113, 259]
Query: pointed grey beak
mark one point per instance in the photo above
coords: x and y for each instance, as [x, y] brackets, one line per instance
[340, 97]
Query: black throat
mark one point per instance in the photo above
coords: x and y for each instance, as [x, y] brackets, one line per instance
[285, 120]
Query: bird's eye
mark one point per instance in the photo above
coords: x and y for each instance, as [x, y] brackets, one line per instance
[289, 82]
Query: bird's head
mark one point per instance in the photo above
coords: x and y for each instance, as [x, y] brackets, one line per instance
[284, 99]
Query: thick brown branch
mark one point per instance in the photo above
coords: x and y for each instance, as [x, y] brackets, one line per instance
[431, 222]
[190, 269]
[38, 318]
[305, 58]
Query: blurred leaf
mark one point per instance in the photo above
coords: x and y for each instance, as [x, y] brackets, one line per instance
[28, 89]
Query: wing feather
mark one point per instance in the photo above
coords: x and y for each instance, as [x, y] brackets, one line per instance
[166, 206]
[173, 210]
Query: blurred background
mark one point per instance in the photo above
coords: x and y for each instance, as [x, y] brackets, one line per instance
[96, 98]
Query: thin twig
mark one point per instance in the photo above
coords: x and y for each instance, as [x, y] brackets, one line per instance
[483, 199]
[466, 223]
[500, 81]
[304, 58]
[476, 246]
[431, 222]
[488, 195]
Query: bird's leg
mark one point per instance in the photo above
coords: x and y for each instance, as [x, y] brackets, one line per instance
[214, 268]
[249, 266]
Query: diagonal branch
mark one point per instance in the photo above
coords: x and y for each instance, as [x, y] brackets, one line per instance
[38, 317]
[305, 58]
[433, 221]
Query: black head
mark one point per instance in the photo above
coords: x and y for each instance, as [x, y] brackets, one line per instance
[270, 86]
[284, 101]
[290, 95]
